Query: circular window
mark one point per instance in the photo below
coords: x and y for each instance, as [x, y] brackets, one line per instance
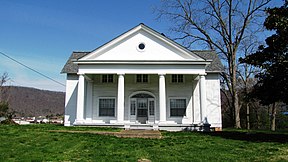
[141, 46]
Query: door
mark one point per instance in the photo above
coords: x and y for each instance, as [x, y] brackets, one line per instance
[142, 110]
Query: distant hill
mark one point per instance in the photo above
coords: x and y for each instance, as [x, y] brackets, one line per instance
[34, 102]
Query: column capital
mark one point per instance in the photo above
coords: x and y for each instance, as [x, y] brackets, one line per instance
[82, 74]
[122, 74]
[161, 74]
[203, 75]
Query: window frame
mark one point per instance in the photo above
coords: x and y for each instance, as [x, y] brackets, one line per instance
[99, 109]
[177, 98]
[177, 78]
[108, 80]
[141, 78]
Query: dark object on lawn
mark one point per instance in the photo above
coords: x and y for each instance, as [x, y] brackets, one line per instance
[8, 122]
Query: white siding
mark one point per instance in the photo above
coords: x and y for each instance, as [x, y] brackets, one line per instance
[213, 100]
[71, 99]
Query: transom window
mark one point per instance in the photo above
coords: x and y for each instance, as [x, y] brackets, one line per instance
[106, 107]
[142, 78]
[177, 107]
[177, 78]
[107, 78]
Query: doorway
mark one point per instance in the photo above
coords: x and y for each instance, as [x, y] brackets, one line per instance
[142, 107]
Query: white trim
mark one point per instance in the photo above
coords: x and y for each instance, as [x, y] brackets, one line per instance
[138, 92]
[157, 62]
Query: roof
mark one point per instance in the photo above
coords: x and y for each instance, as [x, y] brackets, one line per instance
[70, 67]
[215, 66]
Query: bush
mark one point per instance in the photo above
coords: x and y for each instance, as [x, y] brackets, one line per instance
[8, 122]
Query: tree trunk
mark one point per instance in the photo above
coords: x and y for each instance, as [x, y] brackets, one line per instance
[248, 115]
[235, 95]
[257, 118]
[237, 111]
[273, 118]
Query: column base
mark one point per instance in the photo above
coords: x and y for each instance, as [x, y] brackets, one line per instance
[79, 121]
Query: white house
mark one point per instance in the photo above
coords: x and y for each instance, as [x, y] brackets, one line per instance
[143, 80]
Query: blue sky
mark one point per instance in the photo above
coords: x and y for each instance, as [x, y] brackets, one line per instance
[43, 33]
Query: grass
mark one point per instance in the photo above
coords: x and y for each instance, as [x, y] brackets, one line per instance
[37, 143]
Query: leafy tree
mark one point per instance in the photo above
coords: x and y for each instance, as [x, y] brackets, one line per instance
[272, 83]
[221, 25]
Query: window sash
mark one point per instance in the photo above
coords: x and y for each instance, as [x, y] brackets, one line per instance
[177, 78]
[107, 78]
[133, 107]
[106, 107]
[151, 107]
[177, 107]
[142, 78]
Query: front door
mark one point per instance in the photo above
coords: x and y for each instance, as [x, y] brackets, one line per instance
[142, 110]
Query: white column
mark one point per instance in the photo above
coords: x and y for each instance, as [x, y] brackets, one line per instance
[80, 99]
[162, 98]
[120, 99]
[89, 98]
[203, 98]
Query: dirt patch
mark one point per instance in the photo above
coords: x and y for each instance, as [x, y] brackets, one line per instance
[121, 134]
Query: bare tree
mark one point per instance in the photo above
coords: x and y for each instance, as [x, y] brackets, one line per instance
[221, 25]
[246, 73]
[3, 80]
[3, 100]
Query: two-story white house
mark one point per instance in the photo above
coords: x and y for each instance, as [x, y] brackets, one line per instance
[143, 80]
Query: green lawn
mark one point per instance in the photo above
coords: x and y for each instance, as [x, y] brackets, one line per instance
[37, 143]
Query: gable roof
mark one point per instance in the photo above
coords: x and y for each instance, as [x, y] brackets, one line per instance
[205, 55]
[142, 28]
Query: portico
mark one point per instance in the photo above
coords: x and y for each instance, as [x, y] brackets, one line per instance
[85, 103]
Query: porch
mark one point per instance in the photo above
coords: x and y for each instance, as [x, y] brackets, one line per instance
[141, 101]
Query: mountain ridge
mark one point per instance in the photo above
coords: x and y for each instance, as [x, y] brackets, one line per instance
[26, 101]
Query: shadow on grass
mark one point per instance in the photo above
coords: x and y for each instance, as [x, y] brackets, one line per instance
[251, 136]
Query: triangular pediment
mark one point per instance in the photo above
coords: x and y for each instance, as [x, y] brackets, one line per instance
[141, 43]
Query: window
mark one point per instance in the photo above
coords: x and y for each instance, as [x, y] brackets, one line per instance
[151, 107]
[141, 46]
[177, 107]
[133, 107]
[107, 78]
[107, 107]
[142, 78]
[177, 78]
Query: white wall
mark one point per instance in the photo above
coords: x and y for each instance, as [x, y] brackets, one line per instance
[213, 100]
[70, 99]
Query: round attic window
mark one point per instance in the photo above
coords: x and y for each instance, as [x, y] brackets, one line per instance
[141, 46]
